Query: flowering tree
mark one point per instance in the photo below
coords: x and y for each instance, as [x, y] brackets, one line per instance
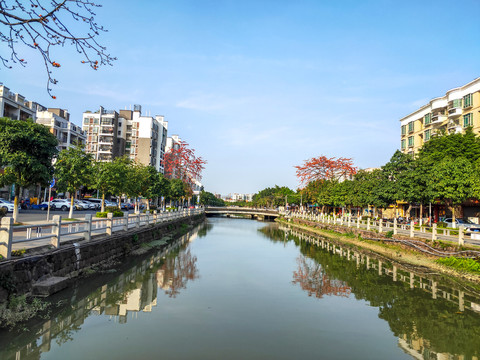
[181, 163]
[42, 25]
[324, 168]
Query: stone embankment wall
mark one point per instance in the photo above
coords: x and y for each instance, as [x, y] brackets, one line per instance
[19, 276]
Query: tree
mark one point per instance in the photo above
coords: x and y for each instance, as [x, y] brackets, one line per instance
[323, 168]
[73, 169]
[43, 26]
[112, 177]
[208, 199]
[176, 190]
[26, 153]
[182, 163]
[454, 180]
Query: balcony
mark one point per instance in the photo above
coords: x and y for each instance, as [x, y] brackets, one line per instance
[438, 119]
[454, 113]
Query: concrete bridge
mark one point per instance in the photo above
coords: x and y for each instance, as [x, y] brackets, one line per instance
[260, 214]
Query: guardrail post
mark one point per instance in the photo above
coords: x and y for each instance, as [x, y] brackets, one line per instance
[137, 220]
[6, 237]
[125, 221]
[358, 222]
[412, 229]
[434, 232]
[56, 230]
[368, 224]
[395, 226]
[380, 226]
[88, 227]
[461, 235]
[155, 216]
[109, 223]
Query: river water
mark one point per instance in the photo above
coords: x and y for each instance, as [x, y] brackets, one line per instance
[242, 289]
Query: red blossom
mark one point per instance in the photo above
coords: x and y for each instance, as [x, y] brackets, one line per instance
[323, 168]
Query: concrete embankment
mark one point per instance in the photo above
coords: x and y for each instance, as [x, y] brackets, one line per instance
[48, 272]
[392, 251]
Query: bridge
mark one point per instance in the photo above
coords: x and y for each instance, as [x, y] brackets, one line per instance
[260, 214]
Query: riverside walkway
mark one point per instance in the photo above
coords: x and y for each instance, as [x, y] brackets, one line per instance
[411, 229]
[37, 235]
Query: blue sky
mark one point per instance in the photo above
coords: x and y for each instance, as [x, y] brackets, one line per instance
[256, 87]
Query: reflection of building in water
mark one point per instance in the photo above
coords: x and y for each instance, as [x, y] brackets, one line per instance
[133, 291]
[421, 349]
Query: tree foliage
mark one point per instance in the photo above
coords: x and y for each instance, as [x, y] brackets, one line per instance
[26, 153]
[324, 168]
[46, 25]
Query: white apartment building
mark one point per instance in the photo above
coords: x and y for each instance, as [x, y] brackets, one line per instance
[101, 129]
[173, 142]
[452, 113]
[145, 137]
[15, 107]
[67, 133]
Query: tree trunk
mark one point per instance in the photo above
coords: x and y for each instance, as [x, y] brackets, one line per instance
[421, 211]
[15, 203]
[103, 202]
[120, 202]
[409, 209]
[70, 214]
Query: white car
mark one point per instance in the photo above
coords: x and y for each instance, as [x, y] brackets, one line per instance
[87, 205]
[60, 204]
[9, 206]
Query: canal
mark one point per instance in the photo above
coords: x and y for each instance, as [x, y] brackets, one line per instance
[238, 289]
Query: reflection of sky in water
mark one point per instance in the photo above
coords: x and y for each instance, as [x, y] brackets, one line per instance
[237, 292]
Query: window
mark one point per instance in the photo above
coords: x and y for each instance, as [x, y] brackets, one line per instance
[456, 103]
[427, 135]
[467, 120]
[410, 141]
[427, 119]
[411, 126]
[404, 144]
[467, 101]
[404, 129]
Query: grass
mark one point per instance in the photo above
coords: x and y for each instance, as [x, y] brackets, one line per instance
[19, 309]
[468, 265]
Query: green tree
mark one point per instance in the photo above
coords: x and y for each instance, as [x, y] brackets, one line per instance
[73, 169]
[454, 180]
[208, 199]
[112, 177]
[26, 153]
[176, 190]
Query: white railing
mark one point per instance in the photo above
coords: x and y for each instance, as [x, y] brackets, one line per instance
[409, 229]
[79, 230]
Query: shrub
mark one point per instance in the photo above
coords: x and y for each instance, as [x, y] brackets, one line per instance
[469, 265]
[18, 252]
[111, 208]
[115, 212]
[441, 224]
[101, 214]
[389, 234]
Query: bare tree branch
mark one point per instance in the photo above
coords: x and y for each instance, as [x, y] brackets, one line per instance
[43, 24]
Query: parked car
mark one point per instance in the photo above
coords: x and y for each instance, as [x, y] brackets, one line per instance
[97, 203]
[86, 205]
[128, 206]
[9, 206]
[469, 225]
[41, 206]
[60, 204]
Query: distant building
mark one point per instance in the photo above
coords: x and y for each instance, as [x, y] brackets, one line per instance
[145, 137]
[15, 107]
[67, 133]
[452, 113]
[101, 129]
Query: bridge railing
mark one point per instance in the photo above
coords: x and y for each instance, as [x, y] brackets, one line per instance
[82, 230]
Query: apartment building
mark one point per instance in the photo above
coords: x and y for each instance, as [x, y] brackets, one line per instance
[15, 107]
[67, 133]
[452, 113]
[145, 137]
[102, 134]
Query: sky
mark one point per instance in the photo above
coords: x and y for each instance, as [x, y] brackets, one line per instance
[257, 87]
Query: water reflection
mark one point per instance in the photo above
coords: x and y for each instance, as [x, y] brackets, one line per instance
[121, 299]
[431, 318]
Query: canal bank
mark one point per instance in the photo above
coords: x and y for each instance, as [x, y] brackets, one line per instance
[48, 272]
[392, 251]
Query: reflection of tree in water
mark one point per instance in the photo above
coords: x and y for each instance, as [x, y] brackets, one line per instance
[176, 272]
[313, 278]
